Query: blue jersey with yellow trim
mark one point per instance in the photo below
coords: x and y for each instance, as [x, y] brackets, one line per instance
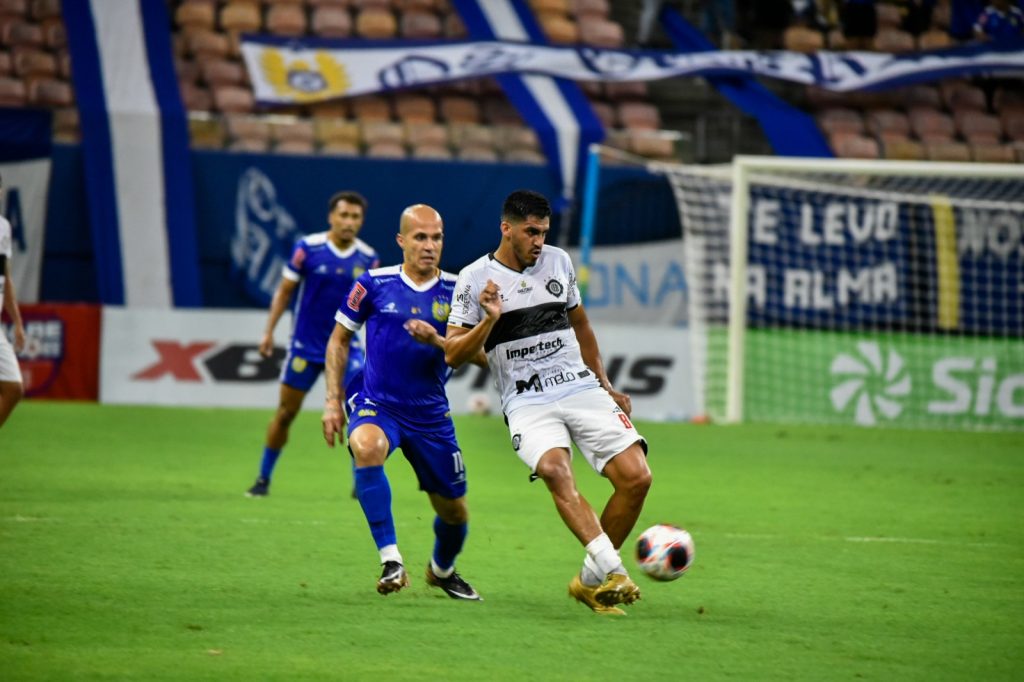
[400, 371]
[325, 274]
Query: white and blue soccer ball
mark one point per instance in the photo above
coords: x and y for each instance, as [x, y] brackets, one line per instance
[664, 552]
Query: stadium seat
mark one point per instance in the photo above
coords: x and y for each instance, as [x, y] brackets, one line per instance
[840, 120]
[605, 113]
[426, 135]
[380, 132]
[921, 95]
[330, 21]
[13, 8]
[386, 150]
[601, 32]
[458, 109]
[478, 154]
[893, 40]
[49, 92]
[931, 125]
[218, 71]
[206, 42]
[378, 4]
[195, 97]
[430, 151]
[903, 150]
[852, 146]
[286, 19]
[888, 15]
[43, 10]
[1013, 123]
[934, 39]
[206, 132]
[421, 5]
[616, 91]
[295, 147]
[499, 111]
[18, 33]
[198, 13]
[33, 62]
[992, 153]
[836, 40]
[978, 127]
[947, 151]
[347, 149]
[959, 95]
[376, 23]
[253, 146]
[415, 108]
[526, 156]
[638, 115]
[12, 92]
[371, 108]
[288, 129]
[55, 35]
[471, 135]
[418, 24]
[330, 131]
[559, 29]
[66, 125]
[232, 98]
[652, 144]
[511, 139]
[802, 39]
[253, 129]
[540, 7]
[595, 8]
[454, 29]
[337, 109]
[5, 62]
[888, 122]
[239, 16]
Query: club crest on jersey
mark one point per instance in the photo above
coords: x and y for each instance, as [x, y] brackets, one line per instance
[517, 439]
[554, 288]
[524, 287]
[367, 413]
[298, 364]
[440, 309]
[355, 297]
[357, 272]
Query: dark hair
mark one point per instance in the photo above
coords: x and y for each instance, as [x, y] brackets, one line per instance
[348, 197]
[523, 203]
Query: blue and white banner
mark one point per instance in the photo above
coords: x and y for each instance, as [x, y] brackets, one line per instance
[286, 72]
[135, 143]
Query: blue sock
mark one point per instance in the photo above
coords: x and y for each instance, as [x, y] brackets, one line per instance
[374, 493]
[448, 542]
[270, 456]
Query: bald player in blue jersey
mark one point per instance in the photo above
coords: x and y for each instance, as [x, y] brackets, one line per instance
[402, 402]
[322, 268]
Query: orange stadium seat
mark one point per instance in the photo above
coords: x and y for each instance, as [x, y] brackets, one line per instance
[285, 19]
[894, 40]
[380, 4]
[16, 33]
[992, 153]
[836, 40]
[379, 132]
[888, 122]
[601, 32]
[42, 10]
[651, 145]
[947, 151]
[840, 120]
[852, 146]
[499, 111]
[66, 125]
[347, 149]
[549, 6]
[295, 147]
[920, 95]
[931, 125]
[13, 8]
[33, 62]
[12, 92]
[903, 150]
[421, 5]
[337, 109]
[232, 98]
[415, 108]
[197, 13]
[5, 62]
[605, 113]
[559, 29]
[255, 146]
[934, 39]
[386, 150]
[418, 24]
[290, 129]
[802, 39]
[517, 138]
[376, 23]
[205, 42]
[248, 128]
[371, 108]
[526, 156]
[196, 97]
[218, 71]
[477, 153]
[206, 132]
[50, 92]
[888, 15]
[978, 127]
[1013, 123]
[239, 16]
[639, 115]
[328, 131]
[330, 21]
[459, 109]
[430, 151]
[427, 135]
[585, 8]
[958, 95]
[626, 90]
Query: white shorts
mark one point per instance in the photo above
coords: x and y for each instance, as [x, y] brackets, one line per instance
[590, 419]
[9, 370]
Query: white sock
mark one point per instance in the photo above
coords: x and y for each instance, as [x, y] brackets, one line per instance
[605, 556]
[590, 575]
[440, 572]
[390, 553]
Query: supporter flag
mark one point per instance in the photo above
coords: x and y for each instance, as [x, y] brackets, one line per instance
[554, 107]
[136, 155]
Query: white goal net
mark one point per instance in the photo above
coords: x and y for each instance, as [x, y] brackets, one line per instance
[849, 292]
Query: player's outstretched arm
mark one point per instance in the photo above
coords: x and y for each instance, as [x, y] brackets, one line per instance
[278, 304]
[335, 361]
[592, 356]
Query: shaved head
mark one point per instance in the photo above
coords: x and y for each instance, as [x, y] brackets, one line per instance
[417, 215]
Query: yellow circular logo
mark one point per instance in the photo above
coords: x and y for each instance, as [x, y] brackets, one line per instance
[441, 308]
[298, 364]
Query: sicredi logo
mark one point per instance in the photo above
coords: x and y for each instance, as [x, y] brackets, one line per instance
[877, 384]
[874, 384]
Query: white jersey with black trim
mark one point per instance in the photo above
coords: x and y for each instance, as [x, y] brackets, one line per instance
[6, 249]
[532, 350]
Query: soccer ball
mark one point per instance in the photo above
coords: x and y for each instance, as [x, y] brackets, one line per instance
[479, 403]
[664, 552]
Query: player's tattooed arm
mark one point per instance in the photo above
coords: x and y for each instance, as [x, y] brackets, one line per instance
[466, 345]
[336, 359]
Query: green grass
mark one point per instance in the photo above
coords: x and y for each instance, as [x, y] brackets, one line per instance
[128, 552]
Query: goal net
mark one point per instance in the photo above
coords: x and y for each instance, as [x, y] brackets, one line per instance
[849, 292]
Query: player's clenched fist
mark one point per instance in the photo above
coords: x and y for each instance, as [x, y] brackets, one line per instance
[490, 299]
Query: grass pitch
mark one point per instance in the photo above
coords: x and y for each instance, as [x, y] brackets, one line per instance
[128, 552]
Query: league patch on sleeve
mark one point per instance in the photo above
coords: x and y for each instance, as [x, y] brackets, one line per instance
[298, 257]
[355, 297]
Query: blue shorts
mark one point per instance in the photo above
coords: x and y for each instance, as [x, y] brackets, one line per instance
[301, 373]
[431, 448]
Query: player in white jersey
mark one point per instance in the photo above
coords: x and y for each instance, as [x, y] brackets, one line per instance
[521, 305]
[11, 387]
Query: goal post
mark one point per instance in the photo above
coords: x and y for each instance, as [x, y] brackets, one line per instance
[880, 293]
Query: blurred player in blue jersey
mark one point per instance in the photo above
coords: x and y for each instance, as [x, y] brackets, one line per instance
[402, 403]
[322, 267]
